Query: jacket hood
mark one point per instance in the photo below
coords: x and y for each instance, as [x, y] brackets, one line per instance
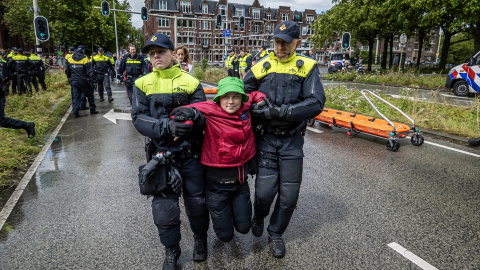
[77, 55]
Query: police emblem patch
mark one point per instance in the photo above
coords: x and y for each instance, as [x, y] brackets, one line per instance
[244, 116]
[153, 38]
[283, 27]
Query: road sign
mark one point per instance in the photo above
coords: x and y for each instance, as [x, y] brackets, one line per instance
[226, 33]
[403, 38]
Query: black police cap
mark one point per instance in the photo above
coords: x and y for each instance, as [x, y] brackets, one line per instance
[158, 39]
[287, 31]
[32, 50]
[71, 48]
[100, 49]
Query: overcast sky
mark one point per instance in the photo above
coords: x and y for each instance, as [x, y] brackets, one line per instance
[318, 5]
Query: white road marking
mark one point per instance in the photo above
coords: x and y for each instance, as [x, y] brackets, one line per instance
[12, 201]
[314, 130]
[450, 148]
[113, 116]
[412, 257]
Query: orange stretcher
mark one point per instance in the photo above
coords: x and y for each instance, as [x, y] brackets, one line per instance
[210, 90]
[383, 128]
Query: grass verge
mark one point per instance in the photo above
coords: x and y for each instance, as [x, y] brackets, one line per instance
[45, 109]
[409, 79]
[210, 74]
[464, 121]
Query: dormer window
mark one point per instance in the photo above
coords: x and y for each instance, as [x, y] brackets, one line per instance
[269, 16]
[186, 6]
[222, 10]
[239, 12]
[205, 9]
[162, 5]
[284, 17]
[256, 14]
[310, 18]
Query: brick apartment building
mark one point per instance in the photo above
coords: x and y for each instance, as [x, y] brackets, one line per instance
[196, 26]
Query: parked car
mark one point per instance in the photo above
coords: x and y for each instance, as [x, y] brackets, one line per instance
[465, 78]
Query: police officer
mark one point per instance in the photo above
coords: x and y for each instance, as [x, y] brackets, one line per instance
[244, 64]
[133, 65]
[156, 95]
[112, 59]
[81, 77]
[12, 77]
[37, 71]
[101, 65]
[3, 73]
[7, 122]
[264, 52]
[295, 93]
[228, 63]
[19, 65]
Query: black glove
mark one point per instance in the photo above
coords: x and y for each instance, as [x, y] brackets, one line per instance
[183, 113]
[270, 111]
[179, 129]
[176, 181]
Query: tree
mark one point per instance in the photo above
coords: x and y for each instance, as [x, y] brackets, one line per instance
[71, 23]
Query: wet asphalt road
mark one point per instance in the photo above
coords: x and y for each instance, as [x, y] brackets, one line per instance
[82, 208]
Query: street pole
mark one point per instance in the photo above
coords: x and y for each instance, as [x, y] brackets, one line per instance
[115, 20]
[37, 42]
[439, 42]
[376, 53]
[400, 64]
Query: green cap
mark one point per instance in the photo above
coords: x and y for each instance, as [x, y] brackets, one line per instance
[230, 84]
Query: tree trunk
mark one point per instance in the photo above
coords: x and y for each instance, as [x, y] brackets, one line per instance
[421, 37]
[476, 42]
[444, 52]
[390, 63]
[383, 63]
[370, 53]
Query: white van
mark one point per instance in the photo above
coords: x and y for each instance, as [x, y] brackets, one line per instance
[465, 78]
[335, 61]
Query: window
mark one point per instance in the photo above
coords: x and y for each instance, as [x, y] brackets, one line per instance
[190, 40]
[239, 12]
[186, 7]
[205, 9]
[409, 48]
[222, 10]
[205, 24]
[284, 17]
[304, 30]
[268, 28]
[432, 41]
[257, 28]
[256, 14]
[179, 40]
[164, 32]
[310, 18]
[163, 22]
[428, 50]
[364, 48]
[185, 23]
[269, 16]
[162, 5]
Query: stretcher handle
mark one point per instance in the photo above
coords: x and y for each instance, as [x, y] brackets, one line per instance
[364, 91]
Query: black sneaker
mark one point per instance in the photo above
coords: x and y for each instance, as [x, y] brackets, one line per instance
[110, 99]
[474, 142]
[277, 246]
[257, 227]
[101, 99]
[76, 115]
[30, 129]
[171, 257]
[94, 112]
[200, 248]
[84, 108]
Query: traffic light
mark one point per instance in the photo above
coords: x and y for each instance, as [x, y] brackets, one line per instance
[219, 20]
[40, 24]
[242, 22]
[346, 40]
[105, 8]
[144, 13]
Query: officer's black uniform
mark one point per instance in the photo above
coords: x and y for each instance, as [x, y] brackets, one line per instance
[37, 71]
[12, 76]
[19, 65]
[295, 89]
[80, 74]
[7, 122]
[131, 67]
[101, 65]
[156, 95]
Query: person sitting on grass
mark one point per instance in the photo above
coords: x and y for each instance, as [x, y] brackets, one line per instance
[228, 155]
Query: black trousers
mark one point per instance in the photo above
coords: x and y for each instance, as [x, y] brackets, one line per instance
[23, 83]
[7, 122]
[230, 207]
[79, 87]
[41, 80]
[278, 177]
[166, 208]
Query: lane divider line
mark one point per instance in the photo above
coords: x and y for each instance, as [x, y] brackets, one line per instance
[314, 130]
[450, 148]
[412, 257]
[12, 201]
